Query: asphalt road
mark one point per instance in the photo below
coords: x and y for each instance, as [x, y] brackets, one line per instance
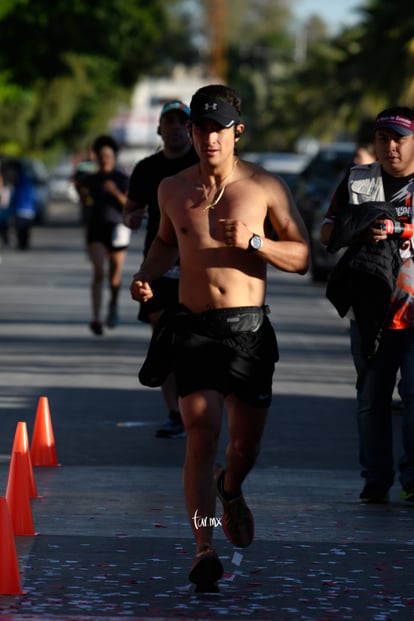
[114, 541]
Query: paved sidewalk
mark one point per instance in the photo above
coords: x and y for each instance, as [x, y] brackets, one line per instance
[114, 543]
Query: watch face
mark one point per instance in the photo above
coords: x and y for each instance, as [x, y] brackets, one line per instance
[256, 242]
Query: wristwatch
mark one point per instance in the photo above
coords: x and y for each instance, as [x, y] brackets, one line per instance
[255, 242]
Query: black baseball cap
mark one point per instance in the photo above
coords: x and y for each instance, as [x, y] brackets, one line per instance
[213, 109]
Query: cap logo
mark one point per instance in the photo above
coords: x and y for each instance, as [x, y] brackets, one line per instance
[397, 122]
[212, 106]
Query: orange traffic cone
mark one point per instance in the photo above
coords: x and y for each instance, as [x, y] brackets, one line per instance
[43, 451]
[9, 568]
[21, 445]
[17, 495]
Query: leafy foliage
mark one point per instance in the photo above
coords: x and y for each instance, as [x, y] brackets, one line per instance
[385, 53]
[345, 80]
[66, 66]
[63, 65]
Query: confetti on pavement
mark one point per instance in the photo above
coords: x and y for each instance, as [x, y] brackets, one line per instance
[71, 578]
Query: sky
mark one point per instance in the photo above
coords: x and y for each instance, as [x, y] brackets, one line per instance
[336, 13]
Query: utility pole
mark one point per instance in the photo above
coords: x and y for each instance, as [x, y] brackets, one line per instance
[216, 17]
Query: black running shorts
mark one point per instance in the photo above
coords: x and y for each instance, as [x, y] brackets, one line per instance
[233, 351]
[103, 233]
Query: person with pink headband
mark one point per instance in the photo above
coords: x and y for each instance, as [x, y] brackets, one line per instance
[372, 214]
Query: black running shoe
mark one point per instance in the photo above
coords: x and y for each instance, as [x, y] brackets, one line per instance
[206, 571]
[96, 328]
[112, 319]
[375, 493]
[171, 429]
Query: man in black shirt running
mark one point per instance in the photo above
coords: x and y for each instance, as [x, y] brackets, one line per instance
[176, 154]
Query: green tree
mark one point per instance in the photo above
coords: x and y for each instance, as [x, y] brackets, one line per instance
[347, 79]
[260, 49]
[66, 65]
[384, 51]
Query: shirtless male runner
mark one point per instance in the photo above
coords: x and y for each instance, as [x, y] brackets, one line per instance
[213, 214]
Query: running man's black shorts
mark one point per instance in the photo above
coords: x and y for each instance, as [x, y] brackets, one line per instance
[231, 350]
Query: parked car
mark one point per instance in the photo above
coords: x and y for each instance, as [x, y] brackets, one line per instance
[314, 189]
[61, 186]
[287, 165]
[37, 173]
[320, 177]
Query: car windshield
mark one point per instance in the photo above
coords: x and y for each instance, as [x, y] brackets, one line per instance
[330, 162]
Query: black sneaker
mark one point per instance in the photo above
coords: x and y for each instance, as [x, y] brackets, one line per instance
[173, 428]
[112, 319]
[96, 328]
[375, 493]
[206, 571]
[407, 492]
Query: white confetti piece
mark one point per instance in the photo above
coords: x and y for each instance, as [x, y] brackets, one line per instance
[237, 559]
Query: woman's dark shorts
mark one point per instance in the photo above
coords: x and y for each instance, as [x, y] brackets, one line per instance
[103, 233]
[231, 350]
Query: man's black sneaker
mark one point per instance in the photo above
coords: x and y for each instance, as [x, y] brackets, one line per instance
[206, 571]
[173, 428]
[375, 493]
[407, 492]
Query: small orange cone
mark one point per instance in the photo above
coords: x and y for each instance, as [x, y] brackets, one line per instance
[9, 568]
[21, 445]
[43, 451]
[17, 495]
